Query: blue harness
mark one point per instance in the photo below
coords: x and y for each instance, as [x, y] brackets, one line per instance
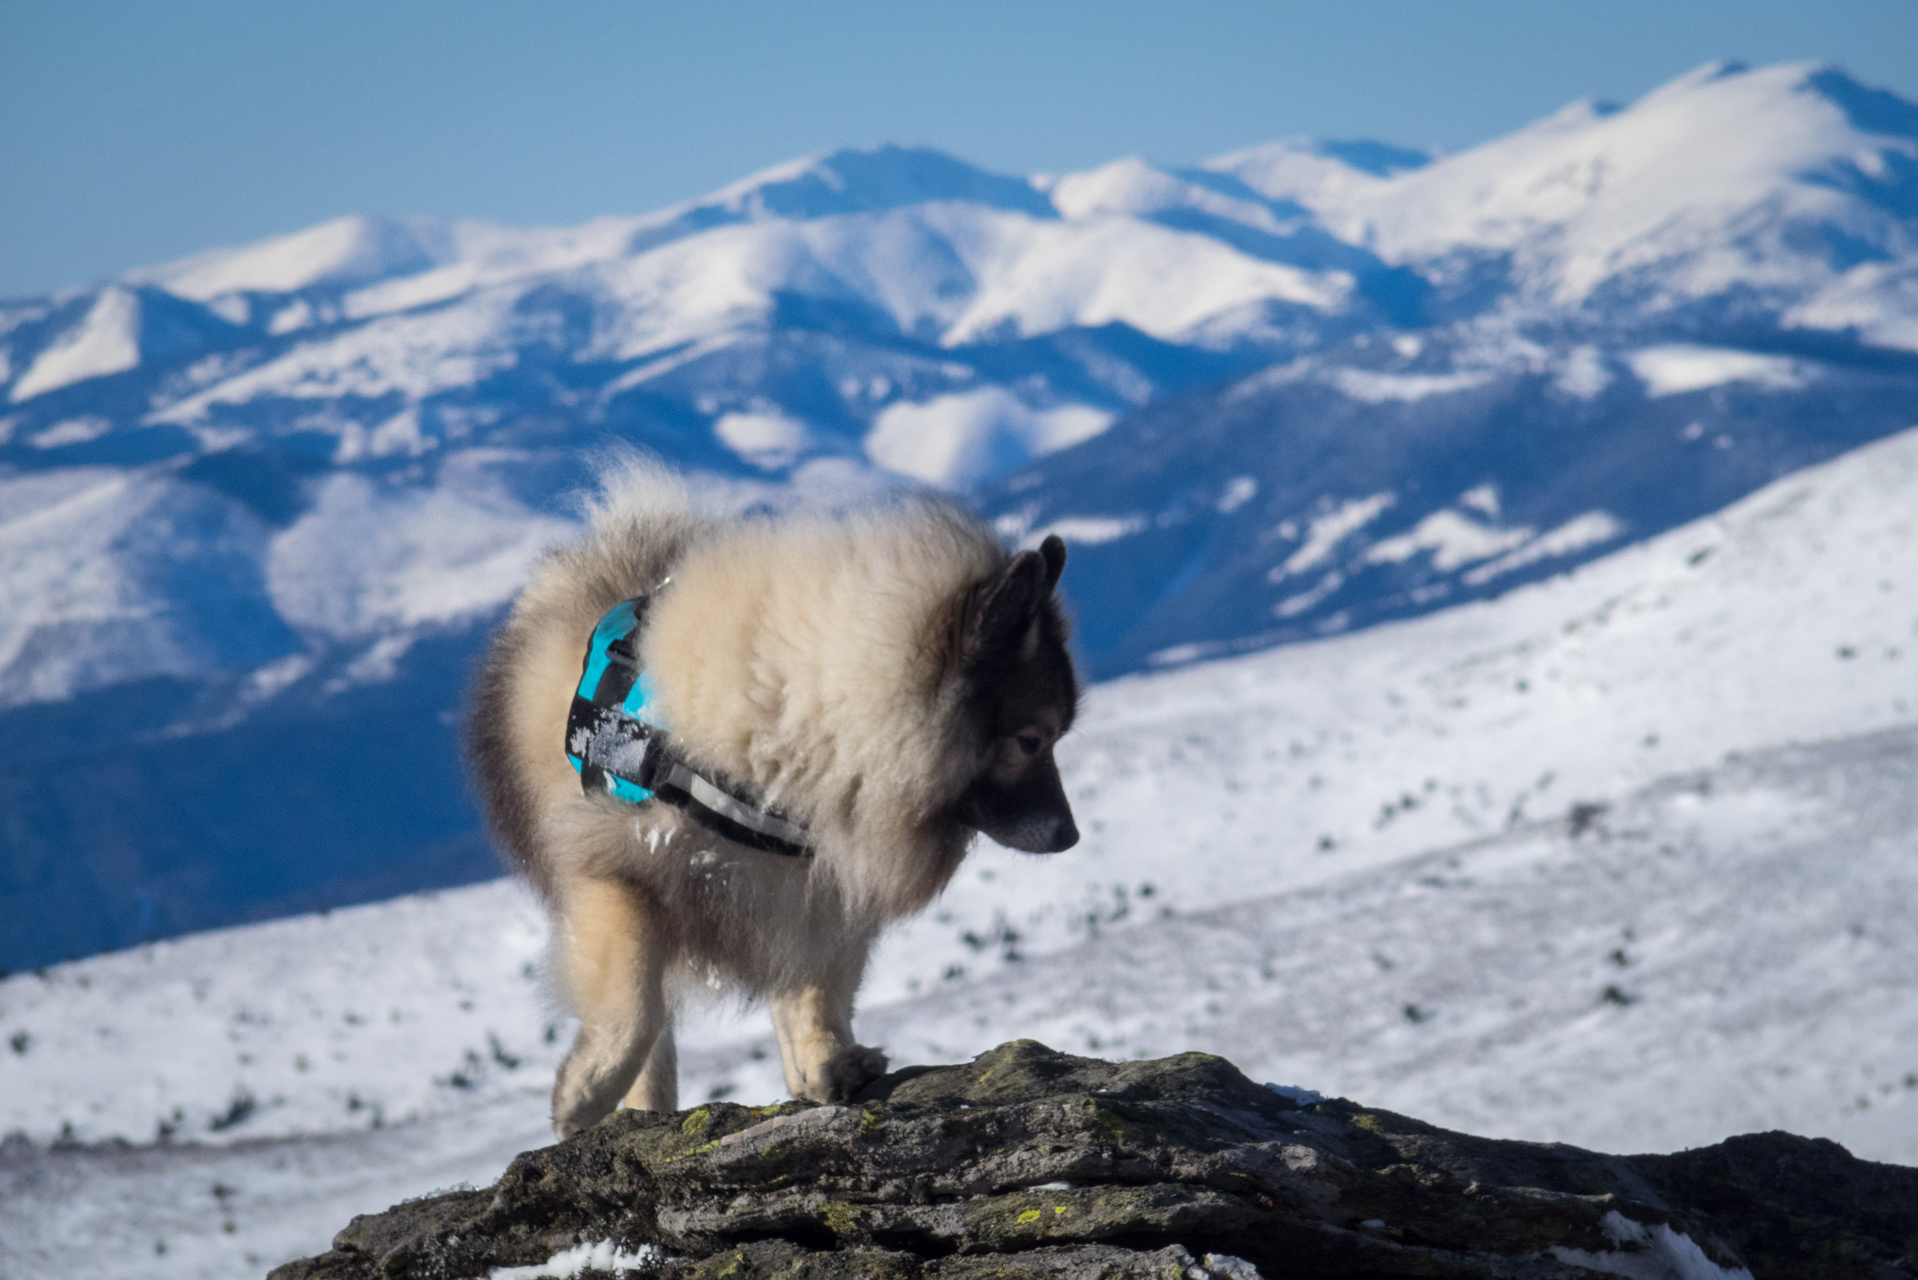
[621, 748]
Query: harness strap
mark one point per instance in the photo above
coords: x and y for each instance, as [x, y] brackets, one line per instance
[619, 749]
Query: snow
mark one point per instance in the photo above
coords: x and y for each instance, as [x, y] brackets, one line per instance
[343, 250]
[415, 356]
[369, 556]
[162, 1213]
[1300, 170]
[120, 575]
[1584, 374]
[1238, 491]
[1581, 531]
[604, 1256]
[489, 255]
[1617, 859]
[1878, 300]
[1087, 530]
[1104, 269]
[1482, 499]
[965, 272]
[1453, 539]
[71, 431]
[117, 576]
[1133, 188]
[1658, 1253]
[766, 437]
[1787, 618]
[1676, 369]
[106, 341]
[358, 1019]
[956, 440]
[1377, 388]
[1324, 534]
[1493, 346]
[1294, 605]
[293, 317]
[1717, 953]
[853, 180]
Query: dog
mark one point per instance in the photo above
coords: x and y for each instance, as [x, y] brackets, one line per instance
[830, 707]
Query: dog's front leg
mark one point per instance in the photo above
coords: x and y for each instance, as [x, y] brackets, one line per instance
[614, 955]
[814, 1025]
[657, 1088]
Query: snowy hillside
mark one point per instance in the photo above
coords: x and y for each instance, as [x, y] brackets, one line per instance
[1617, 859]
[258, 507]
[1391, 478]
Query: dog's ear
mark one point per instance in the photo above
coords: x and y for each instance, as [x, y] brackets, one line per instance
[1054, 551]
[1000, 610]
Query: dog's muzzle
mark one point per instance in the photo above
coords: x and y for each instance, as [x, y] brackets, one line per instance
[1032, 816]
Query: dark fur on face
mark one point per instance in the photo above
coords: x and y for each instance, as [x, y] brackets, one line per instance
[1022, 695]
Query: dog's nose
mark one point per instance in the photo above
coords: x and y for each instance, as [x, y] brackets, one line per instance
[1065, 834]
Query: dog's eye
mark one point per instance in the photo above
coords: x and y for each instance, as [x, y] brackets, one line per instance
[1030, 743]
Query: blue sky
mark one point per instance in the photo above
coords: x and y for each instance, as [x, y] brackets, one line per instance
[133, 131]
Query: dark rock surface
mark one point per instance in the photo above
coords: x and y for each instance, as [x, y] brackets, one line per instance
[1028, 1162]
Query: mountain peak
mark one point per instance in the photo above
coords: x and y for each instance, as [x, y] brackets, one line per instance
[1312, 172]
[343, 251]
[1664, 199]
[1869, 110]
[1705, 73]
[1381, 159]
[872, 179]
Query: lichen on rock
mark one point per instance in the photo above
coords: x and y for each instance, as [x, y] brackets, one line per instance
[1028, 1162]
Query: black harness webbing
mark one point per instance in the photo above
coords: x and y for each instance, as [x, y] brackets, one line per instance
[619, 750]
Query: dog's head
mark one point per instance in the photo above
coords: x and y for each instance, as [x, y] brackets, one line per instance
[1021, 695]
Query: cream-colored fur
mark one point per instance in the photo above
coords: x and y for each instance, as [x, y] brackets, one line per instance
[811, 657]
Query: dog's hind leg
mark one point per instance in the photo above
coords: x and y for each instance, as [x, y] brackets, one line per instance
[814, 1026]
[657, 1088]
[613, 953]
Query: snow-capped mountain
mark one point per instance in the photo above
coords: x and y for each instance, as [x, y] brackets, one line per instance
[774, 323]
[1631, 317]
[1782, 195]
[257, 507]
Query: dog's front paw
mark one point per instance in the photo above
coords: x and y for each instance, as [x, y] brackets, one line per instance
[582, 1096]
[848, 1071]
[574, 1110]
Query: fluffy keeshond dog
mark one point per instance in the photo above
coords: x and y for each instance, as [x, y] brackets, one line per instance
[736, 748]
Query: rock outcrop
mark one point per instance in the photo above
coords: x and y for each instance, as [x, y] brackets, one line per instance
[1027, 1162]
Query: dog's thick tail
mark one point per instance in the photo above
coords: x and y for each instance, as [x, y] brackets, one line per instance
[630, 486]
[639, 517]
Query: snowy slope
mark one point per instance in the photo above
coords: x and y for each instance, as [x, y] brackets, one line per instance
[1385, 479]
[1721, 952]
[1618, 858]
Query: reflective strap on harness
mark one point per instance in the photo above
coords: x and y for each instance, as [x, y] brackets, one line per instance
[619, 750]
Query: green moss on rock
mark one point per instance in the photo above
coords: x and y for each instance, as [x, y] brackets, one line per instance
[1026, 1162]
